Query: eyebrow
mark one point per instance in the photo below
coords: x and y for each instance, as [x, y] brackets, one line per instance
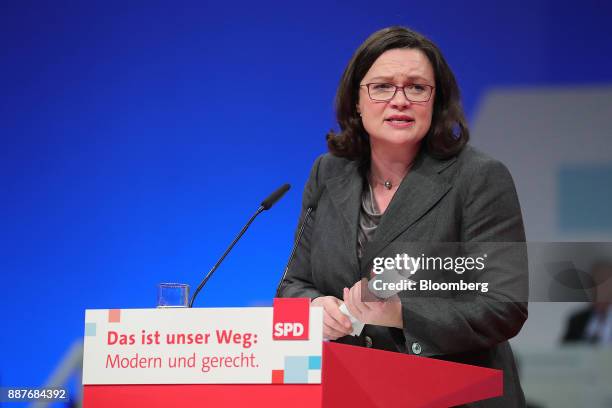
[410, 77]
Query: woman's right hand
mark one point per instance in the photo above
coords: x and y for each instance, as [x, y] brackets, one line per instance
[335, 324]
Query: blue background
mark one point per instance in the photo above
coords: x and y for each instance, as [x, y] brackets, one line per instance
[138, 138]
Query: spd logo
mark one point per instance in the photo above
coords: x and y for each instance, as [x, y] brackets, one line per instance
[290, 318]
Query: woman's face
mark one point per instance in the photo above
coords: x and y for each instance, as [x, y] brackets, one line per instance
[399, 121]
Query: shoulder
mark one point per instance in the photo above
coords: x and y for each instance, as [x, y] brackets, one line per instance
[325, 167]
[472, 160]
[490, 206]
[328, 166]
[476, 171]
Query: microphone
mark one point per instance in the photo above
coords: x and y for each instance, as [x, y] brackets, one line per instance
[275, 196]
[312, 205]
[265, 205]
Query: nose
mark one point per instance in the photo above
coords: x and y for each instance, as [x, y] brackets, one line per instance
[399, 99]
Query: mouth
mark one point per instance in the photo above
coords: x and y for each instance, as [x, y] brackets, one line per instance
[400, 121]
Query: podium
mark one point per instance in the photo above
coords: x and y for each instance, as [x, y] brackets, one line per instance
[341, 376]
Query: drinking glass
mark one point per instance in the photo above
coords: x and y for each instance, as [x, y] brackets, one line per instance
[172, 295]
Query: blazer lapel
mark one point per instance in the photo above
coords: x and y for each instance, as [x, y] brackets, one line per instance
[345, 192]
[420, 190]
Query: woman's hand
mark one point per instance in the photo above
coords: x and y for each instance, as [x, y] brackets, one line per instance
[373, 311]
[335, 324]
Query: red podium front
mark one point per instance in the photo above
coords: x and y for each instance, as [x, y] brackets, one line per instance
[351, 377]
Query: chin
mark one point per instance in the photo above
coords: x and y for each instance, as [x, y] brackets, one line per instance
[399, 139]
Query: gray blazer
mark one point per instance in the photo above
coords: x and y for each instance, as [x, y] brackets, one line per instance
[468, 198]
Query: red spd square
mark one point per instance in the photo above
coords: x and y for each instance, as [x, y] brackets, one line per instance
[291, 319]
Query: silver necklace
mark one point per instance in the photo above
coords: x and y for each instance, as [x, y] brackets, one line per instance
[387, 183]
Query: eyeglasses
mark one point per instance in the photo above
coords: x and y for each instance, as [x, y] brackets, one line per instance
[382, 92]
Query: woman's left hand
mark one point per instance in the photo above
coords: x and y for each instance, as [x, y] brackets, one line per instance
[369, 309]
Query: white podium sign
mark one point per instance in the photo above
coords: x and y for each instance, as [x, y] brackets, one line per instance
[197, 346]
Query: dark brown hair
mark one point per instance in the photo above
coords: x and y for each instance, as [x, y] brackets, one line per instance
[448, 132]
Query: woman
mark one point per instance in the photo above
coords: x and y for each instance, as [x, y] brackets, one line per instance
[399, 170]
